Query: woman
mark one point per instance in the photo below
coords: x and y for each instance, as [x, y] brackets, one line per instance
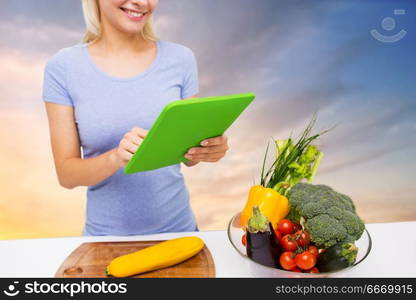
[102, 96]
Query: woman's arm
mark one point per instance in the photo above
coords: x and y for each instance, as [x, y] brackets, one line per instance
[72, 170]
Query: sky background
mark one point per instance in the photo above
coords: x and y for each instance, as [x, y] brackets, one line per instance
[298, 57]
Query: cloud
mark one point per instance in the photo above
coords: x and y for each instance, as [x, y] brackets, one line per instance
[296, 56]
[32, 204]
[37, 39]
[365, 157]
[65, 13]
[20, 82]
[234, 49]
[298, 74]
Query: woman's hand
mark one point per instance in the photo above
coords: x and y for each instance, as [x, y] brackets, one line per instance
[128, 146]
[211, 150]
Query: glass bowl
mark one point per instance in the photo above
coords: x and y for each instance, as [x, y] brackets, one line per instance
[235, 233]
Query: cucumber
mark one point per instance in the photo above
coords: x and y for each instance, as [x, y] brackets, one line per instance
[337, 257]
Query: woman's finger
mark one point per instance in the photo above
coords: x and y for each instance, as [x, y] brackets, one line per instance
[205, 156]
[212, 160]
[129, 146]
[211, 149]
[139, 131]
[125, 155]
[215, 141]
[133, 138]
[206, 160]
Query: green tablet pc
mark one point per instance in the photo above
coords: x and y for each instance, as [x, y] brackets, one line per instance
[183, 124]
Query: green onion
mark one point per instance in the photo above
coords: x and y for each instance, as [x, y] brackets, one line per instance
[295, 161]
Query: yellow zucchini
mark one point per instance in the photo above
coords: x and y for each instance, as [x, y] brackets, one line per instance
[162, 255]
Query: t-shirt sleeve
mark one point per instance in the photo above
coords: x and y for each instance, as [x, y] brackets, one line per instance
[190, 85]
[54, 81]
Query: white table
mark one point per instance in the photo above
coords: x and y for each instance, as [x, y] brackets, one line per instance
[393, 253]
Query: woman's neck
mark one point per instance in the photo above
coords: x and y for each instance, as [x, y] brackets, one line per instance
[114, 41]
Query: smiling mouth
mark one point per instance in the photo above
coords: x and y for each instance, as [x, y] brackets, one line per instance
[133, 13]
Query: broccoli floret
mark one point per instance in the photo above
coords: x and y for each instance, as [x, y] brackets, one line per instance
[325, 231]
[316, 208]
[329, 216]
[353, 224]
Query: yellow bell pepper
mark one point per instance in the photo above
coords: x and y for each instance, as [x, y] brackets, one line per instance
[271, 203]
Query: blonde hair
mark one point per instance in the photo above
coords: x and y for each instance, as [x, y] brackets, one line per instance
[93, 23]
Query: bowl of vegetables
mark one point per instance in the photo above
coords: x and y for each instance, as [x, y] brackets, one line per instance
[290, 227]
[238, 238]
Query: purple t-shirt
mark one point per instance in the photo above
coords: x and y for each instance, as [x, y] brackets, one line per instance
[105, 109]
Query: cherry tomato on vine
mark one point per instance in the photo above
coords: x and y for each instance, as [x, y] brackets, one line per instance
[287, 260]
[289, 243]
[305, 260]
[312, 249]
[313, 270]
[297, 227]
[285, 226]
[303, 238]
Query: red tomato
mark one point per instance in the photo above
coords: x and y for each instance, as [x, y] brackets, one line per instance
[312, 249]
[278, 235]
[313, 270]
[297, 227]
[321, 251]
[302, 236]
[285, 226]
[305, 260]
[287, 260]
[244, 239]
[296, 270]
[289, 243]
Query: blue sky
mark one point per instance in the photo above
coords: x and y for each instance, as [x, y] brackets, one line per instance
[297, 56]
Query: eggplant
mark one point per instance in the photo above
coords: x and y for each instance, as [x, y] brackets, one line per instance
[262, 245]
[337, 257]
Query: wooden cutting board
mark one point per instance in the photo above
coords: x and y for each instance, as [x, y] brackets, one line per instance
[90, 260]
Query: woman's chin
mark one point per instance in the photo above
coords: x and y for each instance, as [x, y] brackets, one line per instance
[131, 31]
[131, 28]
